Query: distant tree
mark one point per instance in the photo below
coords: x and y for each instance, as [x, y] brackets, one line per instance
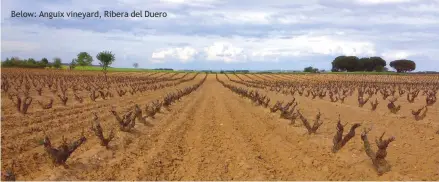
[379, 68]
[338, 64]
[7, 63]
[31, 61]
[25, 63]
[403, 65]
[371, 64]
[106, 58]
[353, 63]
[135, 65]
[378, 63]
[57, 63]
[365, 64]
[84, 59]
[45, 61]
[345, 63]
[73, 64]
[15, 61]
[310, 69]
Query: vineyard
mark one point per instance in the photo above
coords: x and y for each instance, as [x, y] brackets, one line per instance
[80, 125]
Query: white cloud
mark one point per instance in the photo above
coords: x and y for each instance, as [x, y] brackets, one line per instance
[184, 54]
[235, 16]
[195, 3]
[224, 51]
[267, 49]
[331, 46]
[422, 8]
[397, 54]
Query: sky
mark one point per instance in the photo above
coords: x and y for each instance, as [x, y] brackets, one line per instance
[227, 34]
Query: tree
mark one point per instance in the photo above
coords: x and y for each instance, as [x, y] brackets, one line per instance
[25, 63]
[45, 61]
[353, 63]
[378, 63]
[366, 64]
[345, 63]
[334, 70]
[15, 61]
[310, 69]
[135, 65]
[307, 69]
[57, 63]
[106, 58]
[372, 63]
[403, 65]
[337, 64]
[73, 64]
[31, 61]
[380, 68]
[84, 59]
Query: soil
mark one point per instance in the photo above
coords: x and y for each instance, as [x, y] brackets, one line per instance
[214, 134]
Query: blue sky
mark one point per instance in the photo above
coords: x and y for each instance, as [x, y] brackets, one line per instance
[228, 34]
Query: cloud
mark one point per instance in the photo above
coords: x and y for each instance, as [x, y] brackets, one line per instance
[423, 8]
[200, 3]
[383, 1]
[397, 54]
[224, 51]
[184, 54]
[17, 46]
[254, 34]
[268, 49]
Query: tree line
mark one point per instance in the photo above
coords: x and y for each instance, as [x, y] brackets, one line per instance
[106, 58]
[31, 63]
[368, 64]
[353, 63]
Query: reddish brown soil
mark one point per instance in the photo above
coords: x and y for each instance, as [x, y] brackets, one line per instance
[214, 134]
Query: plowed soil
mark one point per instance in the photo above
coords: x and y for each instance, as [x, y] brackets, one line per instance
[214, 134]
